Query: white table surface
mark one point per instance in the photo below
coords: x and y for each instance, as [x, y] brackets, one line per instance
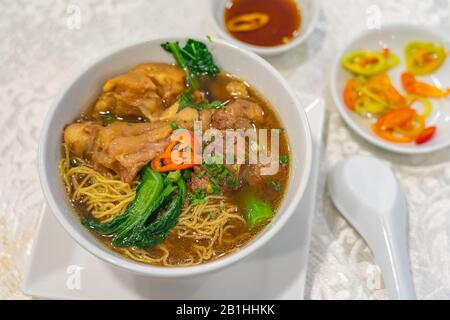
[41, 48]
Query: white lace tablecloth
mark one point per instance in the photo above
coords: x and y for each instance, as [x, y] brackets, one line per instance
[43, 43]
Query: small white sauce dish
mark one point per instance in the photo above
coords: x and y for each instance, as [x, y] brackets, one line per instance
[309, 12]
[85, 87]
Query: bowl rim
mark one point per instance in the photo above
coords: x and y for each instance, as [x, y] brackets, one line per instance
[111, 257]
[336, 92]
[274, 50]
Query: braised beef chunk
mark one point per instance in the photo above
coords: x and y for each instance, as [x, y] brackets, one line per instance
[238, 114]
[200, 179]
[79, 138]
[122, 147]
[215, 179]
[141, 91]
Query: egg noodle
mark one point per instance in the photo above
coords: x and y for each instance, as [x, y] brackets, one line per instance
[104, 195]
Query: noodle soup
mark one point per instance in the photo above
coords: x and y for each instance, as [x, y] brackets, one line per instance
[128, 189]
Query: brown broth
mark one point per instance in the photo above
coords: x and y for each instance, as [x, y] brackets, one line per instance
[215, 88]
[284, 23]
[180, 249]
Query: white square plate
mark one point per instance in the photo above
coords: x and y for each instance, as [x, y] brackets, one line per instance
[60, 269]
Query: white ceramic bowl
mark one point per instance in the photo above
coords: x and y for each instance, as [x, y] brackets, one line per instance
[309, 10]
[396, 36]
[87, 85]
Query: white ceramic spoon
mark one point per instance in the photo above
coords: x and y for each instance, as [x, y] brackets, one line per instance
[369, 196]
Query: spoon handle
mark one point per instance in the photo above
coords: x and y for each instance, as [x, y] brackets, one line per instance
[396, 271]
[394, 258]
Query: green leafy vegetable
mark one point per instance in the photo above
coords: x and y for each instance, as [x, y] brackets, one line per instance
[146, 194]
[187, 174]
[155, 197]
[194, 58]
[157, 231]
[174, 125]
[186, 100]
[198, 201]
[256, 211]
[276, 184]
[213, 215]
[215, 185]
[197, 196]
[223, 174]
[108, 119]
[233, 181]
[201, 173]
[173, 176]
[284, 159]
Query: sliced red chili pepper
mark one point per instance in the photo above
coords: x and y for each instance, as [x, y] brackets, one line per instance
[396, 118]
[426, 135]
[172, 159]
[427, 90]
[389, 135]
[413, 128]
[393, 95]
[397, 125]
[381, 85]
[351, 94]
[412, 86]
[408, 81]
[156, 165]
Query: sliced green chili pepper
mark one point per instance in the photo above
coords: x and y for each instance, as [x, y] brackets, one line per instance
[392, 61]
[424, 57]
[365, 63]
[427, 107]
[368, 63]
[366, 91]
[366, 105]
